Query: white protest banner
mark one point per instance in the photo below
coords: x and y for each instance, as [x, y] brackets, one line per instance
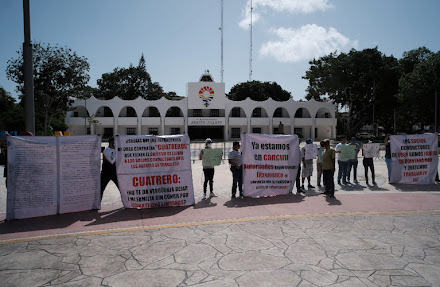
[311, 151]
[270, 164]
[348, 152]
[212, 157]
[371, 150]
[154, 171]
[53, 175]
[414, 158]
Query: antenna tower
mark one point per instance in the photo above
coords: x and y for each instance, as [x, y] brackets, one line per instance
[221, 44]
[250, 47]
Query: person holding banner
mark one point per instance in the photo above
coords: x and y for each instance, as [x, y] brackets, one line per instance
[4, 154]
[236, 162]
[353, 162]
[388, 154]
[321, 150]
[208, 171]
[342, 162]
[108, 171]
[298, 173]
[328, 169]
[307, 169]
[437, 179]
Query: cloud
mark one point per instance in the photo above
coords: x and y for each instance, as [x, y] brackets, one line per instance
[289, 6]
[309, 41]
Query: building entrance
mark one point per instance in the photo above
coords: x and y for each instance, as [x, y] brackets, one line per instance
[201, 133]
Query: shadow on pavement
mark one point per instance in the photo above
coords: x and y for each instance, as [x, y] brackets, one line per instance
[279, 199]
[44, 223]
[333, 200]
[132, 214]
[204, 204]
[416, 187]
[62, 221]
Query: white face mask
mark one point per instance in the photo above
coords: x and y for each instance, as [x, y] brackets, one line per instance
[208, 144]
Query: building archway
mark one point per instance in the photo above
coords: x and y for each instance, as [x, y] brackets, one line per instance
[323, 113]
[105, 112]
[151, 112]
[302, 113]
[128, 112]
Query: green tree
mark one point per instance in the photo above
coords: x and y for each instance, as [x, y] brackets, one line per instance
[59, 73]
[418, 87]
[11, 113]
[258, 91]
[131, 83]
[365, 82]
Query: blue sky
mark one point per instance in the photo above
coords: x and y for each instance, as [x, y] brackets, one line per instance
[181, 38]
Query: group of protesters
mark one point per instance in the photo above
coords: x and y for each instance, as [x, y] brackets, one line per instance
[325, 165]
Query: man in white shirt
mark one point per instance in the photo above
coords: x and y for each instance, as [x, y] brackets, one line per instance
[342, 162]
[236, 162]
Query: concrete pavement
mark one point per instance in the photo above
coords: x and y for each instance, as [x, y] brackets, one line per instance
[383, 235]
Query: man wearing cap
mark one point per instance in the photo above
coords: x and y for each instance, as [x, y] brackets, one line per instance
[236, 162]
[208, 171]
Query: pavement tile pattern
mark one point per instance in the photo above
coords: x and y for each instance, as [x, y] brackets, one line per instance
[345, 250]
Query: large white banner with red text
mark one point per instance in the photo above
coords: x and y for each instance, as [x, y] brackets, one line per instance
[53, 175]
[414, 158]
[270, 164]
[154, 171]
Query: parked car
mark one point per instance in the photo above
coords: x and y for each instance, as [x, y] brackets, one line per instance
[364, 135]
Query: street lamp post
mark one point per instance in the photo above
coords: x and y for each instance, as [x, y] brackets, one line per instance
[29, 108]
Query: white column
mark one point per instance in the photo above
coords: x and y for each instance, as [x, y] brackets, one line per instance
[115, 126]
[226, 131]
[249, 125]
[270, 125]
[292, 126]
[162, 125]
[139, 126]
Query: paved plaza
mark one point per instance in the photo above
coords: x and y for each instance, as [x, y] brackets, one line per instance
[369, 235]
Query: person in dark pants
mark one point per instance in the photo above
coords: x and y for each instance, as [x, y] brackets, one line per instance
[108, 171]
[208, 171]
[388, 154]
[298, 175]
[236, 162]
[368, 163]
[4, 152]
[328, 169]
[437, 179]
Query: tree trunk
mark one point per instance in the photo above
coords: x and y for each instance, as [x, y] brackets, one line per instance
[45, 122]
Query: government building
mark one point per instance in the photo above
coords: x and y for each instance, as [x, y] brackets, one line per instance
[205, 112]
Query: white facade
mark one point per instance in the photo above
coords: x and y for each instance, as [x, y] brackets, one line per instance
[205, 112]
